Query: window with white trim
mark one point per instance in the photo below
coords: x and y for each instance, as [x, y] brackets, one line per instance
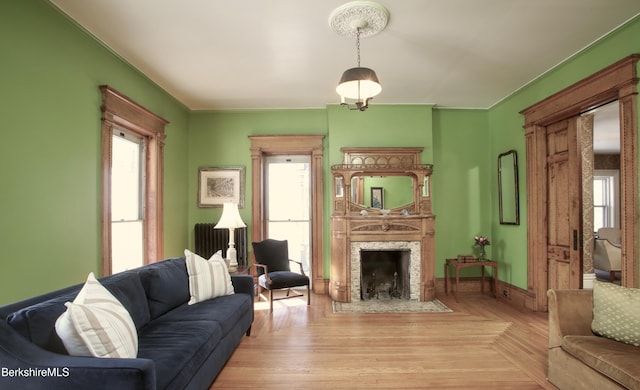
[605, 199]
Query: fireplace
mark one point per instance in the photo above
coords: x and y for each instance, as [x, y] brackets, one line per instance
[387, 258]
[407, 228]
[385, 274]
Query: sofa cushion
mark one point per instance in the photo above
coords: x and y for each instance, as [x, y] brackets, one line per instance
[618, 361]
[37, 322]
[615, 312]
[226, 311]
[127, 288]
[178, 348]
[207, 278]
[96, 324]
[166, 284]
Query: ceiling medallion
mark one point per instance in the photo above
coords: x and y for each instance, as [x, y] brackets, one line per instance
[369, 16]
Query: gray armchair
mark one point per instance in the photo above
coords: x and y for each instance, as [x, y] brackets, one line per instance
[607, 255]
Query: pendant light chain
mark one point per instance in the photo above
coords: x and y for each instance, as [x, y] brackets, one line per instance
[358, 44]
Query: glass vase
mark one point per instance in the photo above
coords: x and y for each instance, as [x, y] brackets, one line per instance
[482, 253]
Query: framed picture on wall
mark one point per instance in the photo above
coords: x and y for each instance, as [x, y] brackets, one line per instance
[377, 197]
[220, 185]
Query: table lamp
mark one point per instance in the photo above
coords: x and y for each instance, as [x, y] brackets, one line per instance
[231, 220]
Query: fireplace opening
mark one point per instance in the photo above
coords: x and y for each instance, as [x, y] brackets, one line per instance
[384, 274]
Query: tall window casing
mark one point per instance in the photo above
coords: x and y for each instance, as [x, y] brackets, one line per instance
[121, 113]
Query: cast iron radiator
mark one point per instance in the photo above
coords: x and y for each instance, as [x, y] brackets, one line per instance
[210, 240]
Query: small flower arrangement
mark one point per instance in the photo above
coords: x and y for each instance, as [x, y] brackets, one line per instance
[481, 241]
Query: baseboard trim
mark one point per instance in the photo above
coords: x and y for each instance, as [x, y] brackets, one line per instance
[506, 292]
[515, 296]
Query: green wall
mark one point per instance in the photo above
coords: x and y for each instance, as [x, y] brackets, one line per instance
[50, 149]
[221, 138]
[461, 183]
[461, 178]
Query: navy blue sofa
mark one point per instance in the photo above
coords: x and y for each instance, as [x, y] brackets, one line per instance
[180, 346]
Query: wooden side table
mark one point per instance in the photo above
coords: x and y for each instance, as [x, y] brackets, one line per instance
[458, 265]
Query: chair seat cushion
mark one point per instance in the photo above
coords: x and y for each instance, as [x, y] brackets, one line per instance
[283, 279]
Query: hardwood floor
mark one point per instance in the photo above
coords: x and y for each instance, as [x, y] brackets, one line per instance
[483, 344]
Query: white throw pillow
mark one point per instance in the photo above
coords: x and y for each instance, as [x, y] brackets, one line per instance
[96, 324]
[207, 278]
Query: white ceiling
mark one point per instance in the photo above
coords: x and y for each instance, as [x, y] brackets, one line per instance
[246, 54]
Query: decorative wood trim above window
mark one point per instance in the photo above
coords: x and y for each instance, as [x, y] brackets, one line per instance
[120, 111]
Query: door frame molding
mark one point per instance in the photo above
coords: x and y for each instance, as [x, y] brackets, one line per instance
[615, 82]
[270, 145]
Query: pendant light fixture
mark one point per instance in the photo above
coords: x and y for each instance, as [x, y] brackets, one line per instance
[359, 19]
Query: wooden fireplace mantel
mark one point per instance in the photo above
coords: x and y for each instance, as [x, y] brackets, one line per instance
[354, 222]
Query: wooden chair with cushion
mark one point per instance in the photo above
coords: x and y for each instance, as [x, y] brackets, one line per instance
[272, 268]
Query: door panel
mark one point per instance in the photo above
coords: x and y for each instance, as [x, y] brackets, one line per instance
[563, 205]
[558, 272]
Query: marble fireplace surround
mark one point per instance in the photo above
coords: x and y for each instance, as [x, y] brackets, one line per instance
[414, 263]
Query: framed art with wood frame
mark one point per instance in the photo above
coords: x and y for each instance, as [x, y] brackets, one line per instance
[377, 197]
[220, 185]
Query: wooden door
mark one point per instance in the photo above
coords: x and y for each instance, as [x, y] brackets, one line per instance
[564, 205]
[617, 81]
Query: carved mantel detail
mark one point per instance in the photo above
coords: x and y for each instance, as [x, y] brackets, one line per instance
[354, 222]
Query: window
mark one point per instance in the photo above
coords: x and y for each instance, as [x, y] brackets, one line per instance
[127, 200]
[132, 156]
[288, 205]
[605, 195]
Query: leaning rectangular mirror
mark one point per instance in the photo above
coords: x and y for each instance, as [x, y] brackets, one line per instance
[508, 188]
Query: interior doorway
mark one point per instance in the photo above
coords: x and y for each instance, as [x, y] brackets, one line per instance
[617, 82]
[288, 205]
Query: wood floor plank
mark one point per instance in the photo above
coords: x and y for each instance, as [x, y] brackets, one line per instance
[483, 344]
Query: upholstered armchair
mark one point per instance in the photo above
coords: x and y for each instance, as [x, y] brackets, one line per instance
[272, 267]
[607, 253]
[610, 234]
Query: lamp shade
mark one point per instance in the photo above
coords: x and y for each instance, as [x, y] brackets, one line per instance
[230, 217]
[359, 83]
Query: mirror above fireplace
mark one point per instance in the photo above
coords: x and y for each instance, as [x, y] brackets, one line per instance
[391, 179]
[383, 192]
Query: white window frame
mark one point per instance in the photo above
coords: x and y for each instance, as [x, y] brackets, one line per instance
[611, 196]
